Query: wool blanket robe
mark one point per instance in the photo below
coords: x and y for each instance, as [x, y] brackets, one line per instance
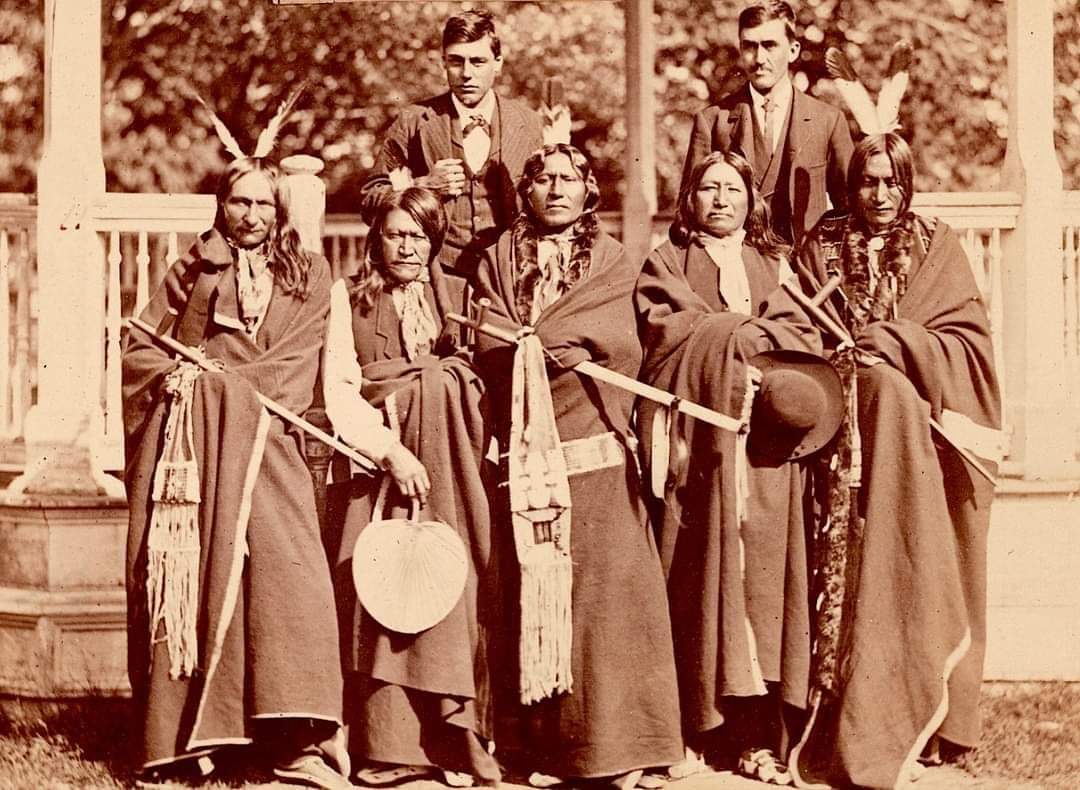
[267, 637]
[737, 591]
[421, 699]
[911, 600]
[622, 713]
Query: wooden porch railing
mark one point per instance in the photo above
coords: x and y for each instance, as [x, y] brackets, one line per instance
[141, 235]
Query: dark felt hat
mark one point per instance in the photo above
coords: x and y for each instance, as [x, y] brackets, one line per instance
[798, 407]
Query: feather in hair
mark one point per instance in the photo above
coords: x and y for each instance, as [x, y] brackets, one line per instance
[400, 178]
[555, 113]
[852, 91]
[556, 124]
[268, 137]
[222, 130]
[894, 86]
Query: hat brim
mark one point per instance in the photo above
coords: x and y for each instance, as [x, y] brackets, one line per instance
[765, 443]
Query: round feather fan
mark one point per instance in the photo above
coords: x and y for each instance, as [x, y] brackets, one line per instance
[409, 574]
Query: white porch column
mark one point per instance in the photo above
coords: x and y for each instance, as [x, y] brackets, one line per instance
[1042, 419]
[65, 426]
[639, 203]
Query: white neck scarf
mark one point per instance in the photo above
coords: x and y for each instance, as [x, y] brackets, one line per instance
[418, 327]
[254, 285]
[726, 253]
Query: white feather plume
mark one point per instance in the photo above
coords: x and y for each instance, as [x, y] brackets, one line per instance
[884, 115]
[555, 113]
[222, 130]
[894, 86]
[400, 178]
[852, 91]
[268, 137]
[556, 124]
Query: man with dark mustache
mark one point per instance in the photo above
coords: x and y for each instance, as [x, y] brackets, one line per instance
[799, 147]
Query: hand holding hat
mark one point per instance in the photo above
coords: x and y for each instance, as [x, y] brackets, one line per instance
[798, 407]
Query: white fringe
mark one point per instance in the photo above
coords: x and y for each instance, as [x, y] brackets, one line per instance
[172, 586]
[546, 629]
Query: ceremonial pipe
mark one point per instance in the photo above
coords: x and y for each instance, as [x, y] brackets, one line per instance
[193, 355]
[812, 306]
[599, 372]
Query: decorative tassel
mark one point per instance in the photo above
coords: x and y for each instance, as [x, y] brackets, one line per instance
[541, 518]
[172, 586]
[546, 628]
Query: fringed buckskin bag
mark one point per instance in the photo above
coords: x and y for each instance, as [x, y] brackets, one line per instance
[172, 586]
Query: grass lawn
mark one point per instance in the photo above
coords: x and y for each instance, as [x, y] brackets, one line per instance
[1031, 736]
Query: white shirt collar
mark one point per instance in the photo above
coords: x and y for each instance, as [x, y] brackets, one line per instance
[781, 93]
[485, 109]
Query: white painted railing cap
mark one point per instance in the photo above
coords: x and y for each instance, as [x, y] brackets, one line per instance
[302, 164]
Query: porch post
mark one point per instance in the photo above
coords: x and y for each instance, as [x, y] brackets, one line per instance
[64, 427]
[63, 522]
[1043, 421]
[639, 202]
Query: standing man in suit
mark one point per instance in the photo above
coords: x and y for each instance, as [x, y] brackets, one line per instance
[798, 146]
[467, 145]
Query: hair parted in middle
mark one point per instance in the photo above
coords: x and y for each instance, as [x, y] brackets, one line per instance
[534, 165]
[758, 225]
[470, 26]
[288, 260]
[903, 166]
[526, 230]
[763, 11]
[426, 209]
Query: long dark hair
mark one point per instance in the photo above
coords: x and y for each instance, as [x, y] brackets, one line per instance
[288, 261]
[426, 209]
[758, 225]
[903, 167]
[527, 230]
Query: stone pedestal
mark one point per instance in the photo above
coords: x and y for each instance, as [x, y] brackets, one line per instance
[63, 627]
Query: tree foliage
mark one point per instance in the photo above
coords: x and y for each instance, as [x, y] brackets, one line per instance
[363, 60]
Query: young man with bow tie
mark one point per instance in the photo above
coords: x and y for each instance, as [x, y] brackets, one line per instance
[467, 145]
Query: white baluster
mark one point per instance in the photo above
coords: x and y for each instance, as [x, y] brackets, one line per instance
[172, 250]
[967, 241]
[142, 273]
[336, 270]
[114, 426]
[5, 335]
[977, 258]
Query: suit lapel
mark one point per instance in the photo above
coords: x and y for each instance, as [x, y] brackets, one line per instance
[435, 132]
[512, 139]
[497, 128]
[741, 128]
[799, 126]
